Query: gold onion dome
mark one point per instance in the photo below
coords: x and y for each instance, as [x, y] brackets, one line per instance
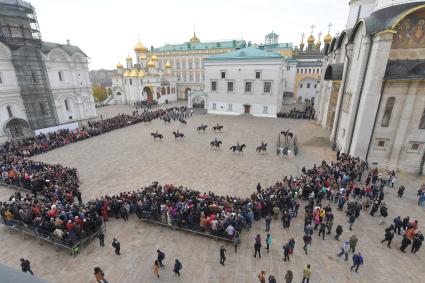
[119, 65]
[142, 57]
[134, 73]
[129, 58]
[195, 39]
[139, 47]
[310, 39]
[328, 38]
[154, 58]
[141, 73]
[151, 64]
[168, 65]
[127, 73]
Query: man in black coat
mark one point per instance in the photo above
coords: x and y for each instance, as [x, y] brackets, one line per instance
[417, 242]
[26, 266]
[161, 257]
[405, 243]
[389, 235]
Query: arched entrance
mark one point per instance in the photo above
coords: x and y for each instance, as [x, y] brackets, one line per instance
[148, 92]
[163, 91]
[186, 91]
[17, 128]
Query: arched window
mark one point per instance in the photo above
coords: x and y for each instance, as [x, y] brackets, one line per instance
[301, 85]
[308, 85]
[422, 122]
[9, 111]
[66, 105]
[388, 111]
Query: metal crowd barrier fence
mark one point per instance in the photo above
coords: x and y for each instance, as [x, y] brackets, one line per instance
[150, 219]
[44, 236]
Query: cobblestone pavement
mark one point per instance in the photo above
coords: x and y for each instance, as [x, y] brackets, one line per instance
[127, 158]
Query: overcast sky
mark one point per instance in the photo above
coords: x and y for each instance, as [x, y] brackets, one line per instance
[108, 29]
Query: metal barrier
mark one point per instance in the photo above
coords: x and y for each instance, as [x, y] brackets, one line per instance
[44, 236]
[149, 219]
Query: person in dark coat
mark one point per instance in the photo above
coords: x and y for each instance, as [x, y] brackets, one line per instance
[357, 261]
[398, 223]
[116, 244]
[101, 237]
[222, 255]
[177, 267]
[389, 235]
[286, 252]
[417, 242]
[26, 266]
[322, 229]
[160, 258]
[338, 232]
[405, 243]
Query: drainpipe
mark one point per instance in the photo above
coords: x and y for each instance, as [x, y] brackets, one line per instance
[360, 95]
[342, 94]
[376, 118]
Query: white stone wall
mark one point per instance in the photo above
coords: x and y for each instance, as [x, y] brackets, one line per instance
[360, 9]
[239, 72]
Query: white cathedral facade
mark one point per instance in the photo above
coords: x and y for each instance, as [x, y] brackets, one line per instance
[372, 95]
[143, 80]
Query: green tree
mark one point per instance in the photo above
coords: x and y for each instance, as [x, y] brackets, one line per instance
[99, 93]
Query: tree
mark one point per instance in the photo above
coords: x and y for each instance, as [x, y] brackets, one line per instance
[99, 93]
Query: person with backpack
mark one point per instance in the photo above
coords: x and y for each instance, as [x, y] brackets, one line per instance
[99, 275]
[116, 244]
[257, 245]
[160, 258]
[177, 267]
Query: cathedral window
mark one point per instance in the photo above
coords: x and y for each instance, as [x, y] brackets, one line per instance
[60, 76]
[66, 105]
[422, 122]
[388, 111]
[131, 81]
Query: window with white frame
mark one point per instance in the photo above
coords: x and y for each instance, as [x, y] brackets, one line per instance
[267, 87]
[213, 86]
[223, 74]
[308, 85]
[248, 86]
[265, 109]
[258, 74]
[229, 107]
[229, 86]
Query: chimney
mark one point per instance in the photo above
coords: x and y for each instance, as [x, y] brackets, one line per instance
[68, 42]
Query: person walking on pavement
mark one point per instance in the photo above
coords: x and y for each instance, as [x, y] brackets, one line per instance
[156, 268]
[268, 242]
[322, 229]
[116, 244]
[101, 237]
[357, 261]
[344, 250]
[389, 235]
[99, 275]
[177, 267]
[353, 243]
[306, 274]
[307, 241]
[236, 240]
[257, 246]
[289, 276]
[405, 243]
[268, 222]
[286, 252]
[338, 232]
[222, 255]
[26, 266]
[160, 258]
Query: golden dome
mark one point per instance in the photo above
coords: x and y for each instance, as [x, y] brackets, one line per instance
[143, 57]
[134, 73]
[119, 65]
[141, 73]
[139, 47]
[129, 58]
[194, 39]
[310, 39]
[127, 73]
[151, 64]
[167, 65]
[328, 38]
[154, 58]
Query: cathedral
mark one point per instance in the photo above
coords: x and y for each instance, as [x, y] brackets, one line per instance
[372, 95]
[143, 80]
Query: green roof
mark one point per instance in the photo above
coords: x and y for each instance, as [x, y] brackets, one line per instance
[246, 54]
[201, 45]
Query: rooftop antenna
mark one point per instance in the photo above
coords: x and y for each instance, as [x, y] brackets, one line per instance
[312, 29]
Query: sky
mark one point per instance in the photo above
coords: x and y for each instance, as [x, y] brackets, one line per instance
[107, 30]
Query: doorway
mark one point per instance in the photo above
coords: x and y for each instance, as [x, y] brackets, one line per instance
[247, 108]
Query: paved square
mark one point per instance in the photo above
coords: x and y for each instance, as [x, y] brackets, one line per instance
[128, 158]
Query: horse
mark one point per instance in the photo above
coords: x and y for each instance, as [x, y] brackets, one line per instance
[201, 128]
[155, 136]
[178, 135]
[239, 148]
[217, 128]
[215, 144]
[183, 122]
[262, 147]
